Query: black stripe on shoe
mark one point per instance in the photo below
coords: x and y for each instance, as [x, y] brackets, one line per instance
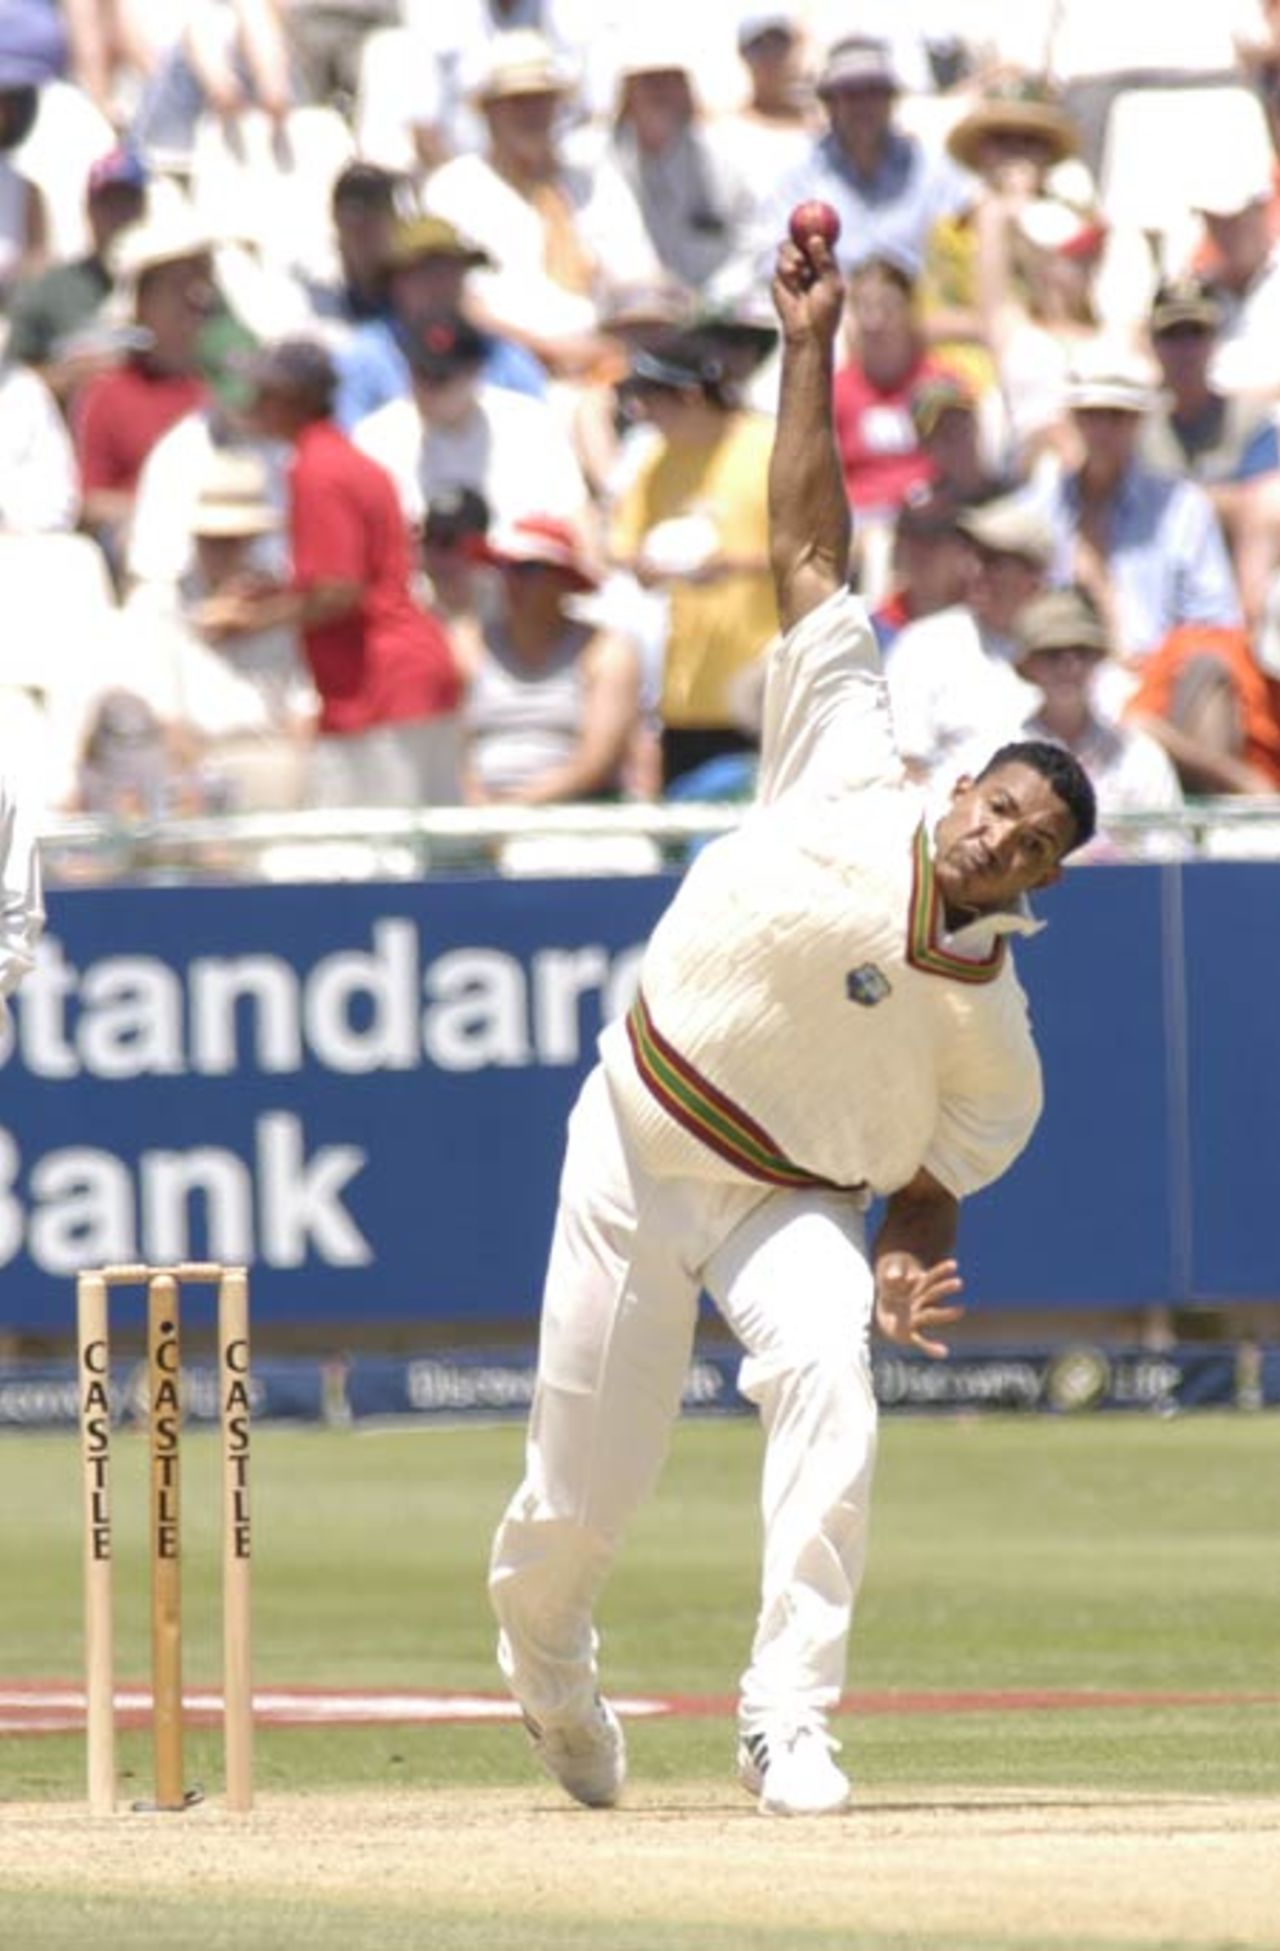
[758, 1748]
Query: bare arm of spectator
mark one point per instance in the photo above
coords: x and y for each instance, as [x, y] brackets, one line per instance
[108, 37]
[259, 38]
[944, 321]
[1250, 515]
[999, 310]
[36, 232]
[264, 606]
[205, 43]
[91, 33]
[1202, 755]
[266, 54]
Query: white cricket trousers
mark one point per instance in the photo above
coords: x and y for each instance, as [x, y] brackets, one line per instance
[789, 1272]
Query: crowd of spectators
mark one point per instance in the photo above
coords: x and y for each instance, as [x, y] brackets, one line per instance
[386, 390]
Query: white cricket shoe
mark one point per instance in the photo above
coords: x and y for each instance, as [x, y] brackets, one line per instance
[587, 1757]
[791, 1771]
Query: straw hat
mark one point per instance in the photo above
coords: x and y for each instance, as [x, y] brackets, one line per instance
[233, 499]
[1060, 619]
[169, 234]
[520, 62]
[1022, 106]
[1009, 525]
[648, 47]
[1110, 376]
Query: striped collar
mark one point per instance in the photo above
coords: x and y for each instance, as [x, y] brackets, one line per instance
[973, 953]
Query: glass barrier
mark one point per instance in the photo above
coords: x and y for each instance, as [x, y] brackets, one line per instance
[378, 844]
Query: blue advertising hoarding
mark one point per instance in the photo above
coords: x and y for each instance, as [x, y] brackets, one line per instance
[360, 1090]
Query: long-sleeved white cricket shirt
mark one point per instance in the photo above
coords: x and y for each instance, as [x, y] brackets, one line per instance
[803, 1014]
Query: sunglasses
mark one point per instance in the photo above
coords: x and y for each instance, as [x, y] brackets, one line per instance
[1183, 332]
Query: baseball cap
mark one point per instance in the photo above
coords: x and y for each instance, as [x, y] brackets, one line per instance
[232, 498]
[943, 393]
[1185, 301]
[520, 61]
[1014, 105]
[417, 237]
[857, 62]
[543, 539]
[1060, 619]
[1110, 377]
[120, 169]
[1009, 525]
[443, 344]
[365, 185]
[756, 22]
[649, 48]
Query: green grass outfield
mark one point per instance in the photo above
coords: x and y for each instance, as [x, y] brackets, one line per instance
[1108, 1553]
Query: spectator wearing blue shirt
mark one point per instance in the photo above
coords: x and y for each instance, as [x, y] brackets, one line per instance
[426, 269]
[1214, 437]
[886, 187]
[1228, 442]
[1146, 546]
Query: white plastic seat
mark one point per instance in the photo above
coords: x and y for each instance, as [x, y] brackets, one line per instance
[1160, 143]
[393, 91]
[60, 652]
[254, 183]
[931, 118]
[69, 135]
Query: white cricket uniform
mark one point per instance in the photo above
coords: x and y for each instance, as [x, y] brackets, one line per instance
[22, 914]
[806, 1034]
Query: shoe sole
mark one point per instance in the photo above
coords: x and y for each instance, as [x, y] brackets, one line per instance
[608, 1799]
[783, 1810]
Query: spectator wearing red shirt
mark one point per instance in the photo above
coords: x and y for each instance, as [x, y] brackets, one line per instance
[383, 667]
[879, 445]
[163, 262]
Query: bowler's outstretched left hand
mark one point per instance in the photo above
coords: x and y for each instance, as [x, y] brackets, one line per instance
[912, 1302]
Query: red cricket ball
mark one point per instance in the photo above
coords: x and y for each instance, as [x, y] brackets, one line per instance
[814, 219]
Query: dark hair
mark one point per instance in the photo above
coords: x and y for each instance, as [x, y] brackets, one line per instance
[18, 107]
[454, 516]
[367, 186]
[1064, 773]
[299, 370]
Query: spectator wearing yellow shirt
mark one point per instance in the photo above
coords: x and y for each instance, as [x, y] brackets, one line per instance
[1013, 135]
[693, 523]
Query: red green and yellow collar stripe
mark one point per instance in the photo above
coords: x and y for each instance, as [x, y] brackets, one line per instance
[924, 926]
[706, 1112]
